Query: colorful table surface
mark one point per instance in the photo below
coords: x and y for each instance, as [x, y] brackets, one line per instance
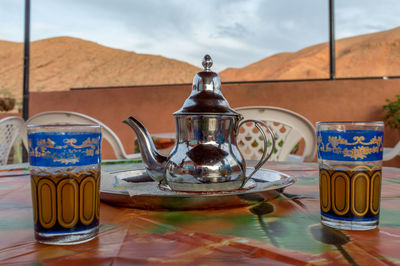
[284, 230]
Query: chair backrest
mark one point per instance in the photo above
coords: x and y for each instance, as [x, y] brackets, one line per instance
[54, 117]
[289, 127]
[11, 129]
[390, 153]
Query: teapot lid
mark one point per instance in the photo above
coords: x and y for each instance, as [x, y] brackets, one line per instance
[206, 96]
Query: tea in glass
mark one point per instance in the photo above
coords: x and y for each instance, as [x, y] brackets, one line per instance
[65, 181]
[350, 173]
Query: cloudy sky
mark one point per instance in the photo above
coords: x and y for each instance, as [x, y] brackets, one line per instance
[234, 32]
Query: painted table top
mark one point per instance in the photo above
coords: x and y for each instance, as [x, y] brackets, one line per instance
[284, 230]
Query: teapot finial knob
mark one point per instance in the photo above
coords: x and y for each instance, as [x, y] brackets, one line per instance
[207, 62]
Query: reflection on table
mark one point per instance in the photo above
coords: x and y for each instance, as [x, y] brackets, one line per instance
[283, 230]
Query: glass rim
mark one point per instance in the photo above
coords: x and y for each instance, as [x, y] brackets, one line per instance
[356, 123]
[63, 125]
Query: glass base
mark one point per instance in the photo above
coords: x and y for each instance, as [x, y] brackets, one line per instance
[349, 225]
[67, 238]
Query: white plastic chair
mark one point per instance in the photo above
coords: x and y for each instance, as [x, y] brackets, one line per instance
[289, 127]
[390, 153]
[54, 117]
[11, 129]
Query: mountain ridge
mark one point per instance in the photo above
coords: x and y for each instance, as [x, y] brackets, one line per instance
[61, 63]
[373, 54]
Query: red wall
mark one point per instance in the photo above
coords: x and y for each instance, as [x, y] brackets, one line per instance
[154, 105]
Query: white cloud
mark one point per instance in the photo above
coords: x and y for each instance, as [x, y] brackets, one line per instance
[235, 32]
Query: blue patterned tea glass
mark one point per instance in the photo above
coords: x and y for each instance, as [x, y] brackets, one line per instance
[350, 173]
[65, 165]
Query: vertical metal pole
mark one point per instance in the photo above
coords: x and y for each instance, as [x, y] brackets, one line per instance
[332, 63]
[25, 95]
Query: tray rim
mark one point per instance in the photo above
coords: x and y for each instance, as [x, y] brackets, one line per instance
[290, 180]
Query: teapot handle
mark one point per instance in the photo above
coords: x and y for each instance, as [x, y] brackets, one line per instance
[265, 156]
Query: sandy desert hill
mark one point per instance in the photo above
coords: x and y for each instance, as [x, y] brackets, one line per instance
[62, 63]
[376, 54]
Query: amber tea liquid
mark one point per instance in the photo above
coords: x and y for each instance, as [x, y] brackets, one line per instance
[350, 197]
[350, 173]
[66, 203]
[65, 163]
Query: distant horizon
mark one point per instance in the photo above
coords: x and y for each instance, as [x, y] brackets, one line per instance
[215, 66]
[235, 33]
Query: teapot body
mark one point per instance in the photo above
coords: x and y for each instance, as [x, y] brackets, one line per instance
[206, 156]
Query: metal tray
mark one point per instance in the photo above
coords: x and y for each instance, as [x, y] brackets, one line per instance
[134, 189]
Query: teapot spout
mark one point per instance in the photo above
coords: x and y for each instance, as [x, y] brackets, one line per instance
[154, 161]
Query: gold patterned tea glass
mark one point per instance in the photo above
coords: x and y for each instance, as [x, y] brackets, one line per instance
[350, 173]
[65, 163]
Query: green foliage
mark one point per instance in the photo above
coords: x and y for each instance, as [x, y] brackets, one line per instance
[392, 109]
[6, 93]
[7, 100]
[280, 144]
[295, 148]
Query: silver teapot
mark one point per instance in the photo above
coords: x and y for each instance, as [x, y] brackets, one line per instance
[206, 156]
